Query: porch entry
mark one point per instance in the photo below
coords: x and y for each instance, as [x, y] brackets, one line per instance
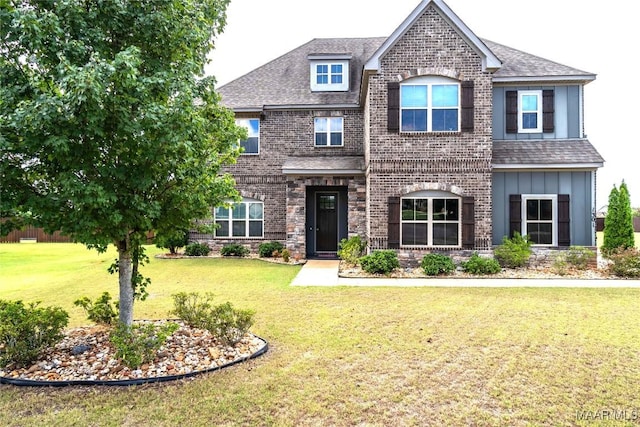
[326, 220]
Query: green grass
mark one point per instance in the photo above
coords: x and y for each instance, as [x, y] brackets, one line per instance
[600, 237]
[350, 356]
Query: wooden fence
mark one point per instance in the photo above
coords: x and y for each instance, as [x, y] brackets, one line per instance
[33, 234]
[636, 224]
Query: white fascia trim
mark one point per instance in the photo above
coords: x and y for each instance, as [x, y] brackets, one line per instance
[329, 56]
[578, 79]
[576, 166]
[489, 60]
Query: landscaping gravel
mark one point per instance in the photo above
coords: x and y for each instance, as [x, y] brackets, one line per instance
[86, 354]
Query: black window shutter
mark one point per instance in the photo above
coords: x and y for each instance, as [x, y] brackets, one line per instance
[468, 223]
[564, 229]
[511, 109]
[393, 106]
[393, 231]
[515, 214]
[548, 109]
[467, 106]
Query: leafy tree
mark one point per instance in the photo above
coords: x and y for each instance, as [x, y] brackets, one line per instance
[618, 223]
[108, 129]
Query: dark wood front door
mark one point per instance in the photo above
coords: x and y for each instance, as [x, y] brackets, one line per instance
[326, 222]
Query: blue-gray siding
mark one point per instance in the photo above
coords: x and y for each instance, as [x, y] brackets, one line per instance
[567, 113]
[576, 184]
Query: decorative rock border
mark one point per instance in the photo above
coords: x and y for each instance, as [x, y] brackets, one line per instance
[23, 380]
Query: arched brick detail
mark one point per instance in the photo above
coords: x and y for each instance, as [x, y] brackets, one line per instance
[250, 195]
[431, 186]
[417, 72]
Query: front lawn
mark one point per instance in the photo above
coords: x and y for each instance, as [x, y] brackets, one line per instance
[351, 356]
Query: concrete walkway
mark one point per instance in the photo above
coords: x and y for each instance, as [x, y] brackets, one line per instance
[325, 273]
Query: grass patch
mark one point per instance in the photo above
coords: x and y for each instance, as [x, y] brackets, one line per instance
[347, 356]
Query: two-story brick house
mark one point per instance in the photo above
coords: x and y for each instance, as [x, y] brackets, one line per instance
[430, 139]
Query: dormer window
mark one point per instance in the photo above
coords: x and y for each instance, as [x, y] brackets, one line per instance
[329, 73]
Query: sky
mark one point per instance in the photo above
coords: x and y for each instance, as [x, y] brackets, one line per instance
[597, 37]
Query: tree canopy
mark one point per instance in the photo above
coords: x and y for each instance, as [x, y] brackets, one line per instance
[108, 127]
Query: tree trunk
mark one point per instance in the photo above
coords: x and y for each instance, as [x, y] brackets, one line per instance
[125, 269]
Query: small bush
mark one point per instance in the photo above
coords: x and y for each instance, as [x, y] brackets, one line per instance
[350, 250]
[437, 264]
[234, 249]
[173, 241]
[514, 252]
[223, 321]
[102, 311]
[25, 331]
[286, 255]
[625, 262]
[230, 324]
[197, 249]
[270, 249]
[579, 257]
[380, 262]
[481, 265]
[560, 265]
[139, 343]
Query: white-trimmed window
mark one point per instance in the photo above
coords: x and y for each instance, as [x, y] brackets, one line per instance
[430, 221]
[251, 145]
[244, 219]
[530, 111]
[332, 76]
[540, 218]
[430, 104]
[328, 131]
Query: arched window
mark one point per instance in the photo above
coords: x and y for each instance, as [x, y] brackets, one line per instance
[430, 104]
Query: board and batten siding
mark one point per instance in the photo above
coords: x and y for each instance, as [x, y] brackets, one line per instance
[576, 184]
[568, 114]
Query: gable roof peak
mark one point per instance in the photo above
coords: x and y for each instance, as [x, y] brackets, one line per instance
[490, 61]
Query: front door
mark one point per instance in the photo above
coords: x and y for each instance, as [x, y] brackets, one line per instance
[326, 222]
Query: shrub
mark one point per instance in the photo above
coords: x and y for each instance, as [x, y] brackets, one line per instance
[25, 331]
[481, 265]
[437, 264]
[350, 250]
[270, 249]
[139, 343]
[579, 257]
[223, 321]
[102, 311]
[230, 324]
[618, 224]
[172, 241]
[625, 262]
[197, 249]
[234, 249]
[560, 265]
[286, 255]
[514, 252]
[380, 262]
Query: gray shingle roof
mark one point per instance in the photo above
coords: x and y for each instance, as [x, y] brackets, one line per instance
[568, 153]
[285, 81]
[517, 64]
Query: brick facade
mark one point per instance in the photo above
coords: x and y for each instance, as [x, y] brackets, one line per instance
[396, 163]
[399, 163]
